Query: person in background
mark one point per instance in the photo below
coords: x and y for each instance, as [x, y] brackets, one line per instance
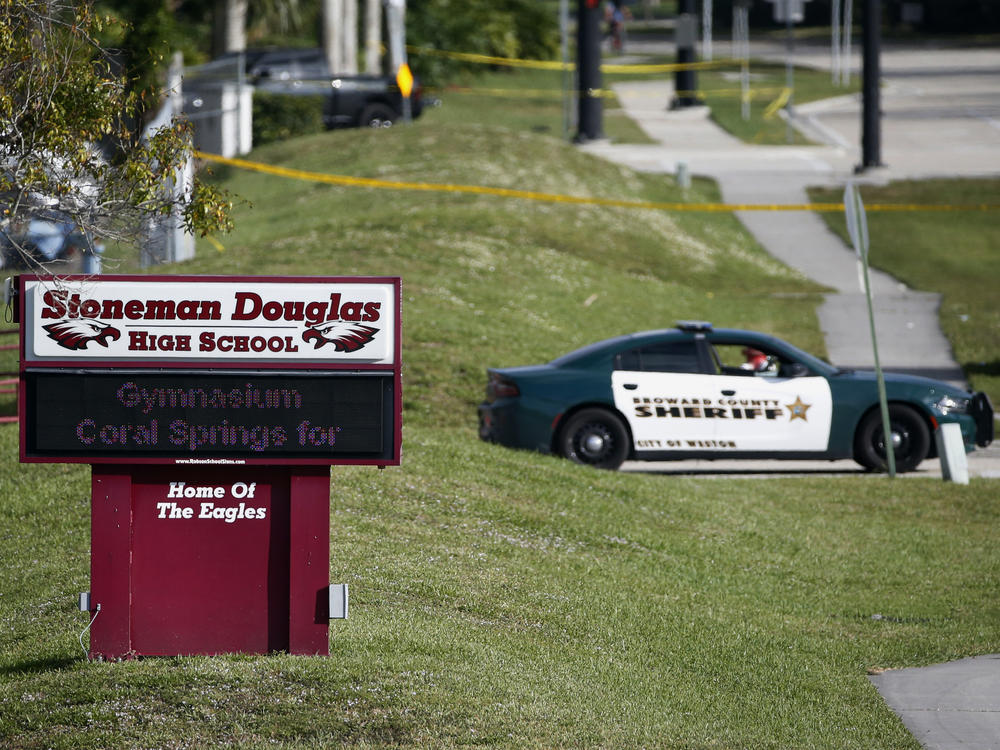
[615, 14]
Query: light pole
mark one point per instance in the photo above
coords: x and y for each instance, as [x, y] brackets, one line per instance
[871, 118]
[588, 70]
[685, 79]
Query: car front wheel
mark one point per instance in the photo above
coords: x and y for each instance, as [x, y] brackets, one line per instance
[595, 437]
[909, 435]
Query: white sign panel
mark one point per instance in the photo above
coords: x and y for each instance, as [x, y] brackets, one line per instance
[285, 321]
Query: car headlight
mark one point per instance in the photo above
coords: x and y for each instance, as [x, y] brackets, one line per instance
[952, 405]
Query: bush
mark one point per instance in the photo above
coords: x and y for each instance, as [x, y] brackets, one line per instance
[280, 116]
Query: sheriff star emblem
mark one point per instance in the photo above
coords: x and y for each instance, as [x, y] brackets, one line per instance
[797, 410]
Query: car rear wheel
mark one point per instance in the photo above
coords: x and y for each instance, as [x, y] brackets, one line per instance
[595, 437]
[910, 439]
[377, 116]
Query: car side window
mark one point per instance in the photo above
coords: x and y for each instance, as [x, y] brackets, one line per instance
[679, 356]
[742, 359]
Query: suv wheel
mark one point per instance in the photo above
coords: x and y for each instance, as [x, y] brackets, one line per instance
[377, 116]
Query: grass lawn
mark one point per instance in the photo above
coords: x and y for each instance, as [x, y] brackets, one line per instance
[531, 100]
[722, 93]
[507, 599]
[953, 253]
[503, 598]
[525, 100]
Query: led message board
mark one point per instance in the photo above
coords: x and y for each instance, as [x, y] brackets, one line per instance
[210, 370]
[196, 416]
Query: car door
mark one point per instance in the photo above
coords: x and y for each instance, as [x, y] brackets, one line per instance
[781, 408]
[663, 391]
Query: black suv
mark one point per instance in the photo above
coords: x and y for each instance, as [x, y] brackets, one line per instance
[349, 101]
[367, 101]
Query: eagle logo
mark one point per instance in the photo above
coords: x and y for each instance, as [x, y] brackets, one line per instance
[77, 333]
[345, 337]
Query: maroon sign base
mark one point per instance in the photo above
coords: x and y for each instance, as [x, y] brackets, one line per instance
[208, 560]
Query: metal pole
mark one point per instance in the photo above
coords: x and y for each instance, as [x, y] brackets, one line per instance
[789, 70]
[564, 56]
[845, 55]
[835, 41]
[706, 29]
[685, 80]
[745, 67]
[741, 51]
[396, 21]
[588, 68]
[857, 228]
[871, 146]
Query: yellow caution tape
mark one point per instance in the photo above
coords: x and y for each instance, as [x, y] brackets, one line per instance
[514, 62]
[343, 180]
[520, 93]
[670, 67]
[215, 243]
[490, 60]
[778, 103]
[701, 94]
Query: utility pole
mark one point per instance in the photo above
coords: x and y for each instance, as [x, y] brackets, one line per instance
[685, 79]
[588, 70]
[871, 119]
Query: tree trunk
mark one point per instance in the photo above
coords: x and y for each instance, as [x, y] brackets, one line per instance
[373, 37]
[229, 24]
[331, 20]
[349, 29]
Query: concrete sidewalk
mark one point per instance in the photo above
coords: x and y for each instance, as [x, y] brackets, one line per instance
[948, 706]
[941, 117]
[910, 339]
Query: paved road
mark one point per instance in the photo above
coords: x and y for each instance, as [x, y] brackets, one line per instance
[941, 118]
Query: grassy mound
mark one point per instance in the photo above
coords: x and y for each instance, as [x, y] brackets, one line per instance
[508, 599]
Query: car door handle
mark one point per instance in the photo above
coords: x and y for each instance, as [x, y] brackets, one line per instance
[630, 386]
[728, 392]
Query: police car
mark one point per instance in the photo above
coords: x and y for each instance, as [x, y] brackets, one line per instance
[695, 391]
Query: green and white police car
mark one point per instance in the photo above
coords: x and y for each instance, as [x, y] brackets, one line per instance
[695, 391]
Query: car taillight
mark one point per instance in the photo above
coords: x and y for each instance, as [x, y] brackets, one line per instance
[500, 387]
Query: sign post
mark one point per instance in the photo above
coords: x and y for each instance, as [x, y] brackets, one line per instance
[395, 11]
[211, 410]
[857, 228]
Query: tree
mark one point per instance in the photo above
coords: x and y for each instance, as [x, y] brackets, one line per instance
[68, 152]
[504, 28]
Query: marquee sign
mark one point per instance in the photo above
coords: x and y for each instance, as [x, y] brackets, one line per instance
[184, 319]
[208, 370]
